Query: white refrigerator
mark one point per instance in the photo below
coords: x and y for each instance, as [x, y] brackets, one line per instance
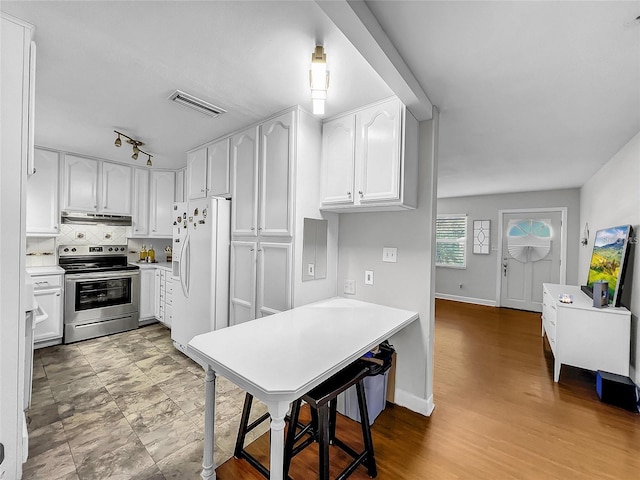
[201, 249]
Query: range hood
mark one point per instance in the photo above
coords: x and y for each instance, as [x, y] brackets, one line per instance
[83, 218]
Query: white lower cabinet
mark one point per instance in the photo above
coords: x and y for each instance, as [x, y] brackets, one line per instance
[147, 294]
[260, 279]
[48, 292]
[163, 306]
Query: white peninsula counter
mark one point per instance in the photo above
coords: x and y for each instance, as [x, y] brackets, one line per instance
[283, 356]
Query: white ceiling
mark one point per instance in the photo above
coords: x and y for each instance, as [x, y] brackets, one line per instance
[533, 95]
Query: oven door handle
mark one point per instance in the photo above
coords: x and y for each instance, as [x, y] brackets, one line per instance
[101, 276]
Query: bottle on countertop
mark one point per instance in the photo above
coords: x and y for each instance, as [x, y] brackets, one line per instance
[151, 255]
[143, 253]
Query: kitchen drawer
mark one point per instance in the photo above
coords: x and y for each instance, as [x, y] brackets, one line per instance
[47, 281]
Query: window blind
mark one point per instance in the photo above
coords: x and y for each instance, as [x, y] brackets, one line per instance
[451, 241]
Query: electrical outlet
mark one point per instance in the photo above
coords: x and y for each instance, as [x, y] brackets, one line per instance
[350, 287]
[390, 254]
[80, 235]
[368, 277]
[311, 269]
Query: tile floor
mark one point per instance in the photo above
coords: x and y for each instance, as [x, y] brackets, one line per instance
[126, 406]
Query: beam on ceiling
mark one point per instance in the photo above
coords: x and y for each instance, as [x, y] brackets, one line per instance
[361, 27]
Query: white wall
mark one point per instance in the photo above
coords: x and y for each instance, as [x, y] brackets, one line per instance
[307, 203]
[479, 279]
[610, 198]
[406, 284]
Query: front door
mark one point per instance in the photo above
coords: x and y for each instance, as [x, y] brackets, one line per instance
[531, 256]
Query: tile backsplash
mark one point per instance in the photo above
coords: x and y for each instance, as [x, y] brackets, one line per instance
[43, 251]
[93, 235]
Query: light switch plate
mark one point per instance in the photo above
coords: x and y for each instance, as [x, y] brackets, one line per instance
[311, 269]
[368, 277]
[350, 287]
[390, 254]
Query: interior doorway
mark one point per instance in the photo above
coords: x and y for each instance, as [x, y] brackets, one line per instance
[531, 251]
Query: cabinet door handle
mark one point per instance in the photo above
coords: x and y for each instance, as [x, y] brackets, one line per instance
[253, 228]
[349, 194]
[361, 194]
[57, 294]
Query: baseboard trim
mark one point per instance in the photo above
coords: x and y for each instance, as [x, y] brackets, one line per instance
[414, 403]
[458, 298]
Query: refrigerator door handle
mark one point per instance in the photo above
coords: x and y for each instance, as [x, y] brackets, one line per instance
[184, 256]
[187, 278]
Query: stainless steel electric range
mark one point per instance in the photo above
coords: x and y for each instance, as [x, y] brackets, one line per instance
[102, 291]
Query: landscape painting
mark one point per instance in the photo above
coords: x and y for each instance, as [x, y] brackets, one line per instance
[608, 255]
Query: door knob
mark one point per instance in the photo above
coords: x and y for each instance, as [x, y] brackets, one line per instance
[504, 267]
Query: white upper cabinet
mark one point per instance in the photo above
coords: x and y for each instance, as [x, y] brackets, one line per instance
[116, 188]
[94, 186]
[244, 189]
[370, 159]
[218, 161]
[181, 185]
[276, 156]
[208, 170]
[80, 184]
[43, 214]
[162, 186]
[141, 202]
[378, 151]
[197, 173]
[338, 146]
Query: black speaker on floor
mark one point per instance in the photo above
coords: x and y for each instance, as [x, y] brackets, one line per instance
[617, 390]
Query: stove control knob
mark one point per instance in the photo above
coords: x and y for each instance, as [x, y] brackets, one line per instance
[66, 250]
[110, 249]
[122, 249]
[73, 249]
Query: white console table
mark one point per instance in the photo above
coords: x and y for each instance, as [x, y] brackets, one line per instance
[585, 336]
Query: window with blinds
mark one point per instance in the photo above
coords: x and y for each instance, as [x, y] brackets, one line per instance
[451, 241]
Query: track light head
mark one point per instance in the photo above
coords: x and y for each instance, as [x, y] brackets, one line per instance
[136, 144]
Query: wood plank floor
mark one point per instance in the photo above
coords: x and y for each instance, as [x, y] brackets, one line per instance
[498, 415]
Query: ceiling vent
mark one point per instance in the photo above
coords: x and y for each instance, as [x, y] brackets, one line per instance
[197, 104]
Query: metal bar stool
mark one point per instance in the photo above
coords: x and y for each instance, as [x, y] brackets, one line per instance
[322, 400]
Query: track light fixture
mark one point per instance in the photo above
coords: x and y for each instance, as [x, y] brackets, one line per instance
[136, 146]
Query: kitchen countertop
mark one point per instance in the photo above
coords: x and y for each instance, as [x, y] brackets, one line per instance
[162, 265]
[49, 270]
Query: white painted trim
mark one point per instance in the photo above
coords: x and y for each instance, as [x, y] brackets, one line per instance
[563, 243]
[415, 404]
[358, 24]
[459, 298]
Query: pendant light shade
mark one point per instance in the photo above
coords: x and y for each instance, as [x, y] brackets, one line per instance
[319, 79]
